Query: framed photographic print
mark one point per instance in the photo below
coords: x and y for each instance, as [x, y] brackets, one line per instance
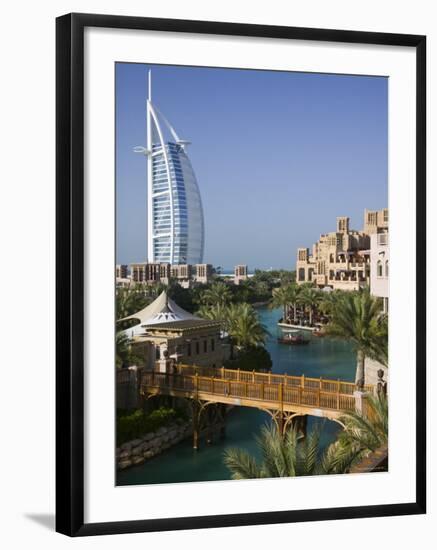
[240, 274]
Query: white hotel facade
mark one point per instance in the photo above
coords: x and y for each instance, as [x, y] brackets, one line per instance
[175, 224]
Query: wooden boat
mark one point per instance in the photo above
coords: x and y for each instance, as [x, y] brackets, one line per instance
[293, 340]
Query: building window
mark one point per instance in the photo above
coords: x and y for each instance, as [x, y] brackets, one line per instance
[212, 344]
[301, 274]
[157, 353]
[379, 269]
[197, 348]
[386, 268]
[189, 350]
[205, 346]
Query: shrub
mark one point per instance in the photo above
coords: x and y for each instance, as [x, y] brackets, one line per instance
[134, 424]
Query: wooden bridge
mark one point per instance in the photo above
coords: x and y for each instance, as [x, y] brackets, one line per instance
[283, 396]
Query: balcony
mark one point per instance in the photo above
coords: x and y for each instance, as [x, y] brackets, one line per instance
[382, 239]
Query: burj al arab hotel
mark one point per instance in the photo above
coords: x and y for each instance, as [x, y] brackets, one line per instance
[175, 225]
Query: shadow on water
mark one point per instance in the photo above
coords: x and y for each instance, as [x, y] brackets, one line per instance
[323, 357]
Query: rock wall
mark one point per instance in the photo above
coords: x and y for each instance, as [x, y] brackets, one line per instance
[151, 444]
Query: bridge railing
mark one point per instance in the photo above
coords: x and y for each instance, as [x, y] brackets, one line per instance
[323, 384]
[277, 393]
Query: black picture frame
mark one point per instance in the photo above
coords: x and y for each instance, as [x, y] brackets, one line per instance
[70, 273]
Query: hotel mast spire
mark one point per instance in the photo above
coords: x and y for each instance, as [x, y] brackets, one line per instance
[150, 85]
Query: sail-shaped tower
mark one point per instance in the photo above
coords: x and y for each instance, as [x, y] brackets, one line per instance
[175, 223]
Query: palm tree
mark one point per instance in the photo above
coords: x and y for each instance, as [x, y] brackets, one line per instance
[124, 355]
[218, 293]
[281, 299]
[244, 327]
[310, 297]
[327, 303]
[363, 434]
[356, 316]
[130, 300]
[381, 340]
[215, 313]
[286, 456]
[286, 296]
[261, 288]
[294, 295]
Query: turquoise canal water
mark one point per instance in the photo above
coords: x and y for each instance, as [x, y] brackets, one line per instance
[322, 357]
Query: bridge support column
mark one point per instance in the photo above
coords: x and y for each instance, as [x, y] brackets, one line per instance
[209, 424]
[360, 401]
[196, 414]
[223, 421]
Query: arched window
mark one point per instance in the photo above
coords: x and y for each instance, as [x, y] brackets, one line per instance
[386, 268]
[301, 274]
[310, 274]
[379, 269]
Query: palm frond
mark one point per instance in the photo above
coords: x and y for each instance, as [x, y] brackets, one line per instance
[241, 464]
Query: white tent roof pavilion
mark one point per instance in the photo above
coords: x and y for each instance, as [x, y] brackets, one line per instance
[162, 310]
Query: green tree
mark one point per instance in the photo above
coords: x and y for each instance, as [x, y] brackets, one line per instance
[310, 298]
[130, 300]
[217, 294]
[281, 298]
[357, 317]
[125, 356]
[362, 435]
[215, 313]
[294, 295]
[327, 303]
[286, 456]
[244, 292]
[244, 327]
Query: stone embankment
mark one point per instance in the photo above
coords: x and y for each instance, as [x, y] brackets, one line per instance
[151, 444]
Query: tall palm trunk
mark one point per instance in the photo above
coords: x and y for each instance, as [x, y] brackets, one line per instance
[231, 348]
[295, 313]
[360, 374]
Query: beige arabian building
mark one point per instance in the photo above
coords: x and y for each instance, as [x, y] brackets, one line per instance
[185, 274]
[341, 259]
[203, 273]
[379, 266]
[150, 273]
[240, 274]
[379, 286]
[164, 331]
[122, 278]
[182, 273]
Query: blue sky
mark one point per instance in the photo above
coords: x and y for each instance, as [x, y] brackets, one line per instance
[277, 155]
